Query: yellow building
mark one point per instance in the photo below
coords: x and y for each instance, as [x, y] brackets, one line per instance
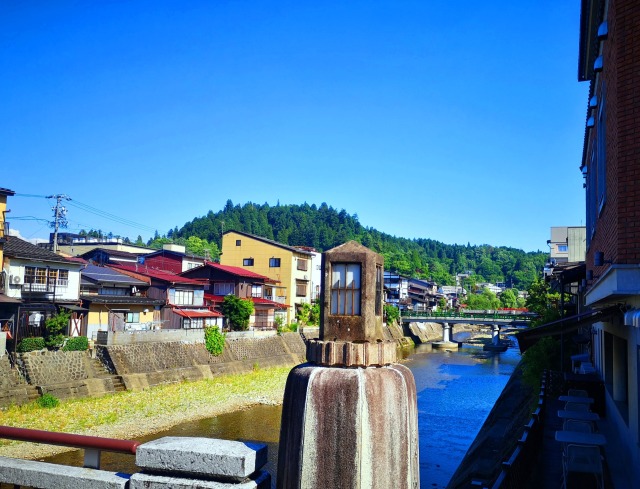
[288, 266]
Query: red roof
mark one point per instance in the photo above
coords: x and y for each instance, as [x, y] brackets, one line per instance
[239, 271]
[158, 274]
[255, 300]
[186, 313]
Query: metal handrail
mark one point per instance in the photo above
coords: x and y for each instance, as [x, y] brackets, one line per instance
[92, 445]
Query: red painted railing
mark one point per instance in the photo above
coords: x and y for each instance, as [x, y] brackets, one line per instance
[92, 445]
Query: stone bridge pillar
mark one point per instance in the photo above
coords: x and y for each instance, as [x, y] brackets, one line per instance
[495, 334]
[349, 417]
[446, 332]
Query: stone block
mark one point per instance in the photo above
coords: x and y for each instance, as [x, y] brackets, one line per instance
[149, 481]
[29, 473]
[209, 457]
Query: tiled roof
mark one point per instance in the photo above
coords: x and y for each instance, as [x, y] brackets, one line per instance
[271, 242]
[122, 299]
[17, 248]
[106, 274]
[197, 314]
[158, 275]
[240, 272]
[255, 300]
[114, 253]
[6, 191]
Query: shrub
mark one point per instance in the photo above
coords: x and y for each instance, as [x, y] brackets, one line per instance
[30, 344]
[47, 401]
[214, 340]
[544, 355]
[54, 329]
[293, 327]
[76, 343]
[392, 313]
[237, 311]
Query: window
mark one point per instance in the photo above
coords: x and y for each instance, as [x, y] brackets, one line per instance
[274, 262]
[193, 323]
[183, 297]
[238, 242]
[301, 288]
[256, 291]
[33, 275]
[223, 288]
[113, 291]
[38, 275]
[303, 264]
[345, 289]
[247, 262]
[63, 278]
[379, 282]
[562, 248]
[132, 317]
[601, 151]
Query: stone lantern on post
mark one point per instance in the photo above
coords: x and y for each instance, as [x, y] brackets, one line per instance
[349, 417]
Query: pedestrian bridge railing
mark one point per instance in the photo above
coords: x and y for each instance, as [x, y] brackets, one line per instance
[475, 316]
[167, 462]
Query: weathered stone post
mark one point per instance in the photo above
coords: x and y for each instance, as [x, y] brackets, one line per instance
[349, 418]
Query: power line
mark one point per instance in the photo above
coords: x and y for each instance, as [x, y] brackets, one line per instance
[108, 215]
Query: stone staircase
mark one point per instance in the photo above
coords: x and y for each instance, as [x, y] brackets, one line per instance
[101, 371]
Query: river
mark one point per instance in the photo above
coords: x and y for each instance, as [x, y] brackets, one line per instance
[456, 391]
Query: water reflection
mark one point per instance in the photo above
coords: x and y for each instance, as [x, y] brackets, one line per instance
[456, 391]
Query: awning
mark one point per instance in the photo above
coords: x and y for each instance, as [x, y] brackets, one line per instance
[530, 337]
[197, 314]
[76, 308]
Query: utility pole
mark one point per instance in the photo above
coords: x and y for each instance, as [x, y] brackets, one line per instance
[59, 219]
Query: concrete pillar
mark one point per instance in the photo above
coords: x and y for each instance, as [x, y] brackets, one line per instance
[446, 332]
[495, 334]
[619, 369]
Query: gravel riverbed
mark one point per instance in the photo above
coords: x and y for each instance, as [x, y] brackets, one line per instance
[128, 415]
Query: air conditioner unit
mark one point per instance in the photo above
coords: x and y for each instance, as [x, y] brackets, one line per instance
[16, 279]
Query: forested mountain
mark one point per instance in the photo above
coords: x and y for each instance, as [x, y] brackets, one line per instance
[324, 227]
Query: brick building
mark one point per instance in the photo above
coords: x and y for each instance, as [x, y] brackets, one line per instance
[609, 60]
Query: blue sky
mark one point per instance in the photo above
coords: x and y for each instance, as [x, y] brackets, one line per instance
[457, 121]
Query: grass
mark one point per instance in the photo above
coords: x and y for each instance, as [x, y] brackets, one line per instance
[129, 414]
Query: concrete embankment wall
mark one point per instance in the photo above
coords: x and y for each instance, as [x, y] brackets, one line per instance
[426, 332]
[138, 365]
[146, 364]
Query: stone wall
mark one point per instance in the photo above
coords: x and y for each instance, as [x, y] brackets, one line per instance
[64, 374]
[53, 367]
[13, 388]
[143, 365]
[139, 365]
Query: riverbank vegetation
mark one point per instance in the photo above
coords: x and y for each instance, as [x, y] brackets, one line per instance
[131, 414]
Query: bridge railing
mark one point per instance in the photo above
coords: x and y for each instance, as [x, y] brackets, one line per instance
[166, 463]
[92, 445]
[496, 315]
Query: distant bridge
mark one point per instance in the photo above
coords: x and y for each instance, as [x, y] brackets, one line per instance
[502, 318]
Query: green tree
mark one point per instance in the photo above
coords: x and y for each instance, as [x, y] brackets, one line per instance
[484, 300]
[237, 311]
[54, 328]
[509, 299]
[543, 302]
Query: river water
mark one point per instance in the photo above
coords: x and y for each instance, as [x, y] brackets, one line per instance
[456, 391]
